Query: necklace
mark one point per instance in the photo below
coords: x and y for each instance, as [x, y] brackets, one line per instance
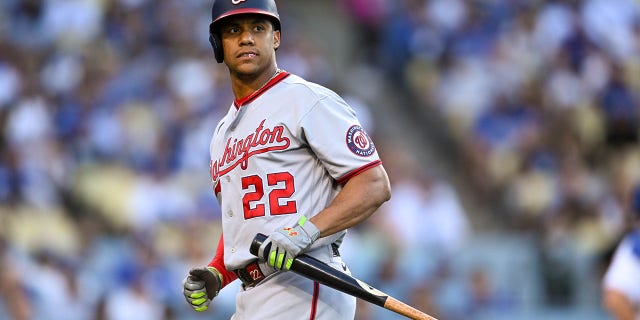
[278, 70]
[249, 97]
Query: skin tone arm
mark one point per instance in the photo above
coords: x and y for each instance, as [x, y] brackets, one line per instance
[618, 305]
[359, 198]
[15, 298]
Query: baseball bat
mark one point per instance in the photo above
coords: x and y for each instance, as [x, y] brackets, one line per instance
[321, 272]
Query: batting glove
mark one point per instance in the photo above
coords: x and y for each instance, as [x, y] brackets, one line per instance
[284, 245]
[201, 286]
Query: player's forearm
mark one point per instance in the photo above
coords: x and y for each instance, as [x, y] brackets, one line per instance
[359, 199]
[10, 290]
[618, 305]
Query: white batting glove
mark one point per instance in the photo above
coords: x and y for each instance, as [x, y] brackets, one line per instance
[201, 286]
[284, 245]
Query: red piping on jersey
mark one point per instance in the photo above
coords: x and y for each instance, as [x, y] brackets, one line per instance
[358, 171]
[314, 302]
[246, 100]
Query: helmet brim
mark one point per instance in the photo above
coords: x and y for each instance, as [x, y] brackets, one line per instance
[235, 12]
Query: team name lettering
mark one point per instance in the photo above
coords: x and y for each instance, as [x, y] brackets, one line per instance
[238, 151]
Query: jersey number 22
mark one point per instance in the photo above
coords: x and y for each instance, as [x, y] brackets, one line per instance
[274, 196]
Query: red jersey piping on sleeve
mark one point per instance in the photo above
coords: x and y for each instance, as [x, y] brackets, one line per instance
[246, 100]
[218, 263]
[358, 171]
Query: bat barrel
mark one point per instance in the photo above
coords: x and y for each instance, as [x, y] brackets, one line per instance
[314, 269]
[325, 274]
[317, 270]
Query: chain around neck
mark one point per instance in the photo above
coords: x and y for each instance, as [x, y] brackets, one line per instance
[278, 70]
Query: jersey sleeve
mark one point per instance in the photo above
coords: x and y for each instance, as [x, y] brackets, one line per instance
[336, 136]
[624, 266]
[218, 263]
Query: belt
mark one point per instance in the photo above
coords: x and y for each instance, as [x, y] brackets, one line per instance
[251, 274]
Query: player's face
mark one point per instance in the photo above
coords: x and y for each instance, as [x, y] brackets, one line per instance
[249, 43]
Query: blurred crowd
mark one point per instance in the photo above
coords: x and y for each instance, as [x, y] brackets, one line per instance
[542, 102]
[107, 108]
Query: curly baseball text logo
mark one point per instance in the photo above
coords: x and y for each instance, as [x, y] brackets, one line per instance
[237, 1]
[238, 150]
[359, 141]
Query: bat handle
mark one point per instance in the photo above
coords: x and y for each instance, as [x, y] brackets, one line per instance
[258, 240]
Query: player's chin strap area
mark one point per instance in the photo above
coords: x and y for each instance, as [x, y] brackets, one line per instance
[255, 272]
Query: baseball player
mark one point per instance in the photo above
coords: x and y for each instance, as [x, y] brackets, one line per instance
[290, 160]
[621, 283]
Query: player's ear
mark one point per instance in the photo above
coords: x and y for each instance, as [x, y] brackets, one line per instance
[276, 39]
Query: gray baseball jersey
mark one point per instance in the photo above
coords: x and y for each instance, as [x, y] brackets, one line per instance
[283, 152]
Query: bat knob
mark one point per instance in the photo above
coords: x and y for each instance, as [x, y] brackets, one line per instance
[258, 240]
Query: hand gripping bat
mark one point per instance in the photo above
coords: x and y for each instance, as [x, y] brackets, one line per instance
[321, 272]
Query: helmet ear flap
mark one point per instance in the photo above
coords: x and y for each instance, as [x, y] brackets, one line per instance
[216, 44]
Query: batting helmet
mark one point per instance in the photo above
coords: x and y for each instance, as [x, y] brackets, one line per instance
[225, 8]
